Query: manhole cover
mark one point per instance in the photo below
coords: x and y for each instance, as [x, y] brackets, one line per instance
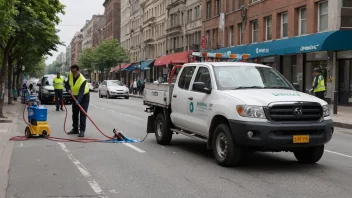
[5, 121]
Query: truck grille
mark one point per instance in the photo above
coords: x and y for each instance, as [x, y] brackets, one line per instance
[295, 112]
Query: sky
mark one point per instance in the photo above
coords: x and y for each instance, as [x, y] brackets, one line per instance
[76, 14]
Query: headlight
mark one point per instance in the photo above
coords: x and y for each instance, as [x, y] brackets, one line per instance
[45, 91]
[251, 111]
[326, 110]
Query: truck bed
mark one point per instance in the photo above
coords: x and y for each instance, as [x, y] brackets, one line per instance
[158, 94]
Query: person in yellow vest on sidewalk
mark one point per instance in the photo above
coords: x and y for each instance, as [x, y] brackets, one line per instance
[58, 83]
[77, 85]
[318, 84]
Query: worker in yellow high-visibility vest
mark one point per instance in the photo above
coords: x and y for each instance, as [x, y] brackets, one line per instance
[77, 85]
[58, 83]
[318, 84]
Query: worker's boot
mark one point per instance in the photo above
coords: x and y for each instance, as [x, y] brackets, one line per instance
[81, 134]
[73, 131]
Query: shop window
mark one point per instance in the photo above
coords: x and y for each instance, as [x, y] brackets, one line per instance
[294, 77]
[254, 31]
[323, 16]
[284, 25]
[302, 21]
[268, 29]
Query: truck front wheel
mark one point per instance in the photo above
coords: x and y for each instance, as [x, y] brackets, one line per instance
[225, 150]
[163, 133]
[310, 155]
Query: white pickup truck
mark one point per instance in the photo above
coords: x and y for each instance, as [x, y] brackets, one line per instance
[237, 107]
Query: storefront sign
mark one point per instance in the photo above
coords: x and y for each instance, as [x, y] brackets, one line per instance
[309, 48]
[262, 50]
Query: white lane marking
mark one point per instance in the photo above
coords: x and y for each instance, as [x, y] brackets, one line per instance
[134, 147]
[93, 184]
[120, 113]
[333, 152]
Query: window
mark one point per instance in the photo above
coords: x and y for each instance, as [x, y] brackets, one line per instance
[240, 32]
[186, 77]
[346, 3]
[268, 29]
[217, 7]
[203, 75]
[302, 21]
[323, 16]
[254, 31]
[284, 25]
[189, 15]
[253, 1]
[231, 36]
[208, 9]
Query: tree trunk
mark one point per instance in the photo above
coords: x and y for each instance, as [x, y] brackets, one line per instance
[2, 78]
[14, 82]
[9, 81]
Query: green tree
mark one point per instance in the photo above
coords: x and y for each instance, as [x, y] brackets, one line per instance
[108, 54]
[87, 59]
[27, 22]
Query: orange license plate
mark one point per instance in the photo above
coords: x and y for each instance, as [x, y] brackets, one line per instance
[300, 139]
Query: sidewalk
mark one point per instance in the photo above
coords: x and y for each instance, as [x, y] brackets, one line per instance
[8, 128]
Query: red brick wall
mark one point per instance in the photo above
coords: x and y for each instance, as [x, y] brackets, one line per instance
[113, 20]
[258, 11]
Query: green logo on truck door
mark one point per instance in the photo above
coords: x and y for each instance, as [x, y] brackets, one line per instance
[191, 107]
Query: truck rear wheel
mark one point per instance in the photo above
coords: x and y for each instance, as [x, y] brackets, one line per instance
[225, 150]
[163, 133]
[310, 155]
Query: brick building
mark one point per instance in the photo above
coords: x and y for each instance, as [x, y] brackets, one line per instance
[112, 19]
[76, 47]
[293, 36]
[91, 30]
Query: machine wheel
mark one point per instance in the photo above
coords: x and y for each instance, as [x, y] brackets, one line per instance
[100, 96]
[127, 97]
[163, 133]
[310, 155]
[27, 132]
[108, 95]
[225, 150]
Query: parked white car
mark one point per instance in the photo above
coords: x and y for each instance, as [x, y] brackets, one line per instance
[113, 89]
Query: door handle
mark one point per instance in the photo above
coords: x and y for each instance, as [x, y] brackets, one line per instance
[175, 96]
[190, 98]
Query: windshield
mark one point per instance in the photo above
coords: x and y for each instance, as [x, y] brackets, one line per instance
[48, 81]
[115, 83]
[247, 77]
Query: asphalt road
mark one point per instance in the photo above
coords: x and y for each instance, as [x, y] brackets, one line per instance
[42, 168]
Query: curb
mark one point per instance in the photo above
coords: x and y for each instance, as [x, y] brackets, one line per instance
[136, 96]
[342, 125]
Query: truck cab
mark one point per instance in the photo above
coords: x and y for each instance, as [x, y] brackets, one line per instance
[237, 107]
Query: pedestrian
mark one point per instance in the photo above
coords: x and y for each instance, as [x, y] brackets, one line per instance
[77, 85]
[58, 83]
[141, 86]
[138, 86]
[318, 84]
[135, 86]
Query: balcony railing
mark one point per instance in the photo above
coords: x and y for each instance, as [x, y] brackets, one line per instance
[151, 19]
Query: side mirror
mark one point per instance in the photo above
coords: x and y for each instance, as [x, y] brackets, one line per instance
[296, 86]
[200, 86]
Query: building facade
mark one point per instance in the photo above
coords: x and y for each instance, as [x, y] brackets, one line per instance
[291, 36]
[76, 47]
[125, 24]
[112, 19]
[135, 24]
[92, 26]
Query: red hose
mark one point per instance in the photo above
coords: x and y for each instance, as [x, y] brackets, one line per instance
[82, 140]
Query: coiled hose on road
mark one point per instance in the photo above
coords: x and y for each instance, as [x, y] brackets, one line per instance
[81, 140]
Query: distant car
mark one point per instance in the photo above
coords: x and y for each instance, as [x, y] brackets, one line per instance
[113, 89]
[46, 90]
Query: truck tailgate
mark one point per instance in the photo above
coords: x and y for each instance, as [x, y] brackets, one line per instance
[157, 94]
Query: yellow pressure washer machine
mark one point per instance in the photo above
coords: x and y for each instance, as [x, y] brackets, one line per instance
[37, 118]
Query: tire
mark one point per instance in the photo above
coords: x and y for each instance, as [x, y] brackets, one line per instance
[163, 133]
[127, 97]
[310, 155]
[108, 95]
[225, 151]
[27, 132]
[100, 96]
